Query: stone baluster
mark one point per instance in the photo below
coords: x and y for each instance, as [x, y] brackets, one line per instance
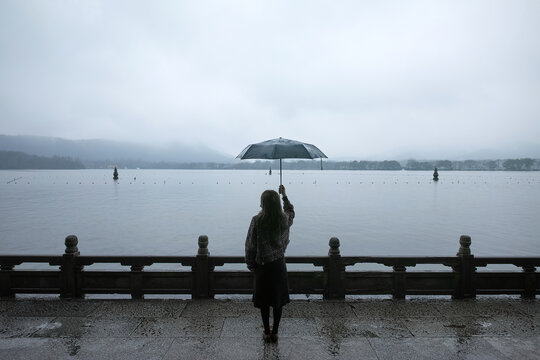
[203, 246]
[464, 245]
[530, 279]
[465, 271]
[5, 280]
[335, 272]
[400, 282]
[136, 279]
[202, 271]
[70, 279]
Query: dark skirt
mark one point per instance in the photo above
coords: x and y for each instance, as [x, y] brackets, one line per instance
[271, 285]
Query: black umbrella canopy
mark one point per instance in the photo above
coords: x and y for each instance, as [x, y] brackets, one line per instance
[281, 149]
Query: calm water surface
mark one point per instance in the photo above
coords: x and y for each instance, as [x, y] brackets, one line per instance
[162, 212]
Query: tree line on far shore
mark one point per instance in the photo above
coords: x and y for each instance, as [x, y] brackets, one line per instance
[15, 160]
[20, 160]
[524, 164]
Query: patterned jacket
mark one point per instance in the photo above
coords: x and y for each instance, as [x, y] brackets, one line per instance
[259, 251]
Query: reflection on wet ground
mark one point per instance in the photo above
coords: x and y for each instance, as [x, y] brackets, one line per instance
[420, 328]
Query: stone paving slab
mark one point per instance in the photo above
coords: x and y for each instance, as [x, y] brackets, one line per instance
[529, 307]
[22, 326]
[251, 327]
[394, 308]
[240, 348]
[224, 308]
[73, 348]
[139, 309]
[485, 307]
[436, 348]
[337, 328]
[319, 309]
[189, 326]
[517, 348]
[464, 326]
[222, 348]
[52, 308]
[88, 327]
[522, 326]
[5, 305]
[491, 328]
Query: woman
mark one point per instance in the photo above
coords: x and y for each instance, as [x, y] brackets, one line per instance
[266, 242]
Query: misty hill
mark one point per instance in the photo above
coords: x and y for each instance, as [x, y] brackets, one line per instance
[17, 160]
[498, 151]
[14, 160]
[92, 151]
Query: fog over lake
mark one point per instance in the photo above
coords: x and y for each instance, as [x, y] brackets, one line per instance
[360, 80]
[162, 212]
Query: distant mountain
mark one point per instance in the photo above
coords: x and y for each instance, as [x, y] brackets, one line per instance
[506, 152]
[90, 151]
[18, 160]
[516, 151]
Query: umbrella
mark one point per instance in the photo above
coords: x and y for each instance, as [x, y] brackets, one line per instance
[281, 149]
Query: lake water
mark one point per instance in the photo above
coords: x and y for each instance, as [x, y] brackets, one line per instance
[162, 212]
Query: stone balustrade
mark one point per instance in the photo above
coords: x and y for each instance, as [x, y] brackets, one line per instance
[68, 277]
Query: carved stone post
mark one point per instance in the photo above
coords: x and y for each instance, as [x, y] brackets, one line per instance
[335, 272]
[530, 286]
[202, 269]
[70, 282]
[136, 281]
[400, 285]
[5, 280]
[465, 271]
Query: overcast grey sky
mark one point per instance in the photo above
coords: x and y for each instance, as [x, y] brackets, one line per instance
[365, 79]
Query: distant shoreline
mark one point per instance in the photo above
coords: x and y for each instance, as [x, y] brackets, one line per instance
[12, 160]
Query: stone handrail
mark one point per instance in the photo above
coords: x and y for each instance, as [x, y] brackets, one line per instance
[200, 280]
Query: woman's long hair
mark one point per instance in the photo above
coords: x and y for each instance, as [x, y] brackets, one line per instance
[271, 216]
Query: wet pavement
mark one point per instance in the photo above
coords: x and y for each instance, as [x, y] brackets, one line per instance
[419, 328]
